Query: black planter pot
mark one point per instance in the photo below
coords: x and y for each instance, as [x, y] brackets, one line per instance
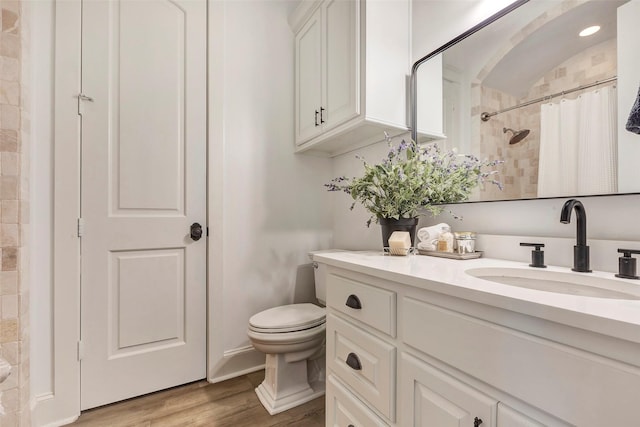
[389, 225]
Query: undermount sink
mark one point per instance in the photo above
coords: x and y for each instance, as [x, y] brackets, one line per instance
[564, 283]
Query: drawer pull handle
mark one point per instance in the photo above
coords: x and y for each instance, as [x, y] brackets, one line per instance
[354, 302]
[354, 362]
[477, 421]
[351, 425]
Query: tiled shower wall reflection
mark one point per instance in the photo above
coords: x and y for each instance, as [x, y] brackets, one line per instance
[519, 173]
[14, 219]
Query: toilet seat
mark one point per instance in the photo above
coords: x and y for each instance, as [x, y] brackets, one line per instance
[288, 318]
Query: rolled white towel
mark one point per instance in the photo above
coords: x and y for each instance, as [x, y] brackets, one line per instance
[427, 234]
[426, 246]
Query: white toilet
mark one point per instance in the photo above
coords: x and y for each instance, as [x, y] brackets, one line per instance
[292, 337]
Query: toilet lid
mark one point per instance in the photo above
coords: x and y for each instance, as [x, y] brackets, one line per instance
[288, 318]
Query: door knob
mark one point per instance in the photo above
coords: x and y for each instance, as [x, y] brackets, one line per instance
[196, 231]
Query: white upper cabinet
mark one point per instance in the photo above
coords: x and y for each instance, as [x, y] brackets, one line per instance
[339, 65]
[308, 77]
[352, 58]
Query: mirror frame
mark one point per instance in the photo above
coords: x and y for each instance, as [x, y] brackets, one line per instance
[413, 119]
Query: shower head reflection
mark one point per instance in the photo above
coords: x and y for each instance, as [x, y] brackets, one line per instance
[518, 135]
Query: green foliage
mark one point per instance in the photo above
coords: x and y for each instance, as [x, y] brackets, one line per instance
[414, 179]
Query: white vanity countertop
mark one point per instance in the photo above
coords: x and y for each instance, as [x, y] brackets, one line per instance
[614, 317]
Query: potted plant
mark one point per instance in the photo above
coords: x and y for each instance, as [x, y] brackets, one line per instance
[411, 180]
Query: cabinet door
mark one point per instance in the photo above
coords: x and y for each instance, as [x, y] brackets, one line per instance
[430, 397]
[340, 58]
[308, 79]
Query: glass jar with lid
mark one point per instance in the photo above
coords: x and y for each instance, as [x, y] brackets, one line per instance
[465, 242]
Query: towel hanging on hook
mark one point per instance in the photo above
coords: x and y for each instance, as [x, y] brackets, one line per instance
[633, 124]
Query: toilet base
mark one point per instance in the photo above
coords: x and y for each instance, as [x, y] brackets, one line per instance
[290, 387]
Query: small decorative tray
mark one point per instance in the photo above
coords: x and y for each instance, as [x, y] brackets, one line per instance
[471, 255]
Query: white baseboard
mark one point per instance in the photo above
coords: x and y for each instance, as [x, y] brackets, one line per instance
[237, 351]
[43, 411]
[60, 423]
[37, 400]
[219, 379]
[236, 362]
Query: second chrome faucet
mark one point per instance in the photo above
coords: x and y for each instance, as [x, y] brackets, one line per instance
[580, 250]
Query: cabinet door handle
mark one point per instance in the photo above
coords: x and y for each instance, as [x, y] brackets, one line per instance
[316, 119]
[354, 362]
[353, 302]
[477, 421]
[321, 115]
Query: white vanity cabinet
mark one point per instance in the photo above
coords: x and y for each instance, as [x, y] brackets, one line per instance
[433, 358]
[352, 58]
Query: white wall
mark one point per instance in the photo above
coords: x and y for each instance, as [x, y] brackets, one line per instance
[273, 205]
[608, 217]
[350, 230]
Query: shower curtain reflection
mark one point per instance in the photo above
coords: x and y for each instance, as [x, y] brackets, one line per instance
[578, 150]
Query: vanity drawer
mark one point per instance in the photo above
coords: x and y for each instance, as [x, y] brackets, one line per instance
[377, 306]
[364, 362]
[344, 409]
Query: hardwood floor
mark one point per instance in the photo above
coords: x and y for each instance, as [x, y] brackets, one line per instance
[226, 404]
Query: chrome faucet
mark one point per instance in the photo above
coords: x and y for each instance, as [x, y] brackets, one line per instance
[580, 250]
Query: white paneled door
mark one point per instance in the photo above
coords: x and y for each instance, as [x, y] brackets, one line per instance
[143, 304]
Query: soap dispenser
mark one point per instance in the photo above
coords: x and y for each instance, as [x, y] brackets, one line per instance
[627, 264]
[537, 256]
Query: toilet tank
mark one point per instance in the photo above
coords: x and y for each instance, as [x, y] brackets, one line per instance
[320, 276]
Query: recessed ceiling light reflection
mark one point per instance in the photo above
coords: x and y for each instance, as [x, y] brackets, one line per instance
[589, 31]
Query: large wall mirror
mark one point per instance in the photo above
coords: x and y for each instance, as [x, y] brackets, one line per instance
[529, 87]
